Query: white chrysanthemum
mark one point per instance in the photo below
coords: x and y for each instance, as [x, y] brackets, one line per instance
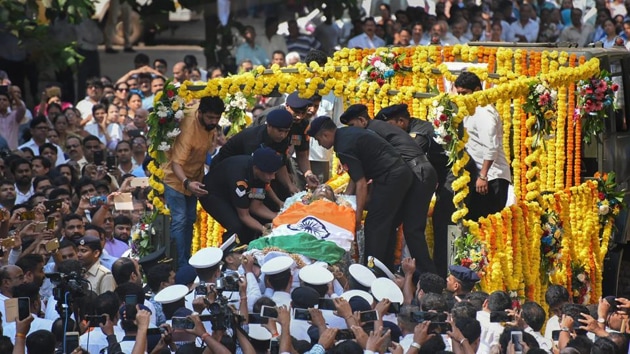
[440, 109]
[540, 89]
[604, 209]
[441, 131]
[179, 114]
[162, 111]
[390, 55]
[224, 122]
[581, 277]
[436, 103]
[363, 75]
[173, 133]
[164, 146]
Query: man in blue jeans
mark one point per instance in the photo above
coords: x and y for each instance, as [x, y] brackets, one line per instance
[184, 171]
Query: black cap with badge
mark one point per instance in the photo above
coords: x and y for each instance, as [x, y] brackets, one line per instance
[154, 258]
[295, 101]
[393, 112]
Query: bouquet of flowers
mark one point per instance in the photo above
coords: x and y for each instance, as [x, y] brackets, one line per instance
[595, 96]
[610, 201]
[441, 114]
[141, 244]
[235, 115]
[541, 102]
[381, 66]
[550, 242]
[470, 253]
[164, 120]
[580, 284]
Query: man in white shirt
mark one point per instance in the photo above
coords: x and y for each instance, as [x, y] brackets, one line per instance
[30, 291]
[556, 296]
[526, 29]
[94, 93]
[367, 39]
[39, 130]
[106, 304]
[22, 174]
[489, 188]
[498, 302]
[534, 317]
[10, 277]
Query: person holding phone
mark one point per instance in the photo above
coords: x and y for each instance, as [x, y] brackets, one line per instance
[29, 294]
[184, 171]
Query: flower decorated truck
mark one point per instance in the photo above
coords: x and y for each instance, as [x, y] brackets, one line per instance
[564, 133]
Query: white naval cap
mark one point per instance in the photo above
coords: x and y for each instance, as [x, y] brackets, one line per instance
[383, 288]
[363, 294]
[376, 265]
[171, 294]
[362, 274]
[276, 265]
[316, 274]
[206, 257]
[258, 332]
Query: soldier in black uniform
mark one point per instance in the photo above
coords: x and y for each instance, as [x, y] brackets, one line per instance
[366, 156]
[236, 190]
[413, 213]
[274, 134]
[299, 109]
[422, 132]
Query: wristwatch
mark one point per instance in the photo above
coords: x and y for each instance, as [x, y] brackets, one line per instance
[186, 183]
[601, 320]
[483, 178]
[415, 345]
[565, 329]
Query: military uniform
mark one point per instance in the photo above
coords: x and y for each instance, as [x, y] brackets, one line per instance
[364, 154]
[415, 208]
[231, 185]
[247, 141]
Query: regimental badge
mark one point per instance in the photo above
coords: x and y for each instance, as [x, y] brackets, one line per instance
[241, 188]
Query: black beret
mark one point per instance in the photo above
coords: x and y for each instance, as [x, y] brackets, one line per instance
[352, 112]
[392, 112]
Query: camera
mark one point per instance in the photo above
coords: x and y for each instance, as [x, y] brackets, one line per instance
[229, 281]
[72, 283]
[201, 289]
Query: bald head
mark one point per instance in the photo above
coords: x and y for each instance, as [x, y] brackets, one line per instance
[140, 119]
[10, 277]
[180, 72]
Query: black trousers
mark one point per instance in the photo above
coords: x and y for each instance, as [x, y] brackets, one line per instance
[386, 199]
[490, 203]
[225, 213]
[413, 215]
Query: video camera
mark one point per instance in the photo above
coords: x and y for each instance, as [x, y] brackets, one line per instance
[229, 281]
[74, 283]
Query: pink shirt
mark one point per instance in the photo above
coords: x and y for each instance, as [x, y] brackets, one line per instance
[10, 125]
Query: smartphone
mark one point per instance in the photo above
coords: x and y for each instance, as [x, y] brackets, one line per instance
[555, 335]
[98, 200]
[182, 323]
[95, 320]
[274, 346]
[52, 245]
[139, 182]
[344, 334]
[53, 205]
[111, 162]
[51, 223]
[439, 327]
[326, 304]
[368, 316]
[27, 215]
[40, 226]
[394, 308]
[131, 300]
[500, 316]
[269, 312]
[301, 314]
[8, 242]
[253, 318]
[24, 308]
[154, 331]
[98, 157]
[517, 338]
[72, 342]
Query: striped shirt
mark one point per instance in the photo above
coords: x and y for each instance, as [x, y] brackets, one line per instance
[302, 44]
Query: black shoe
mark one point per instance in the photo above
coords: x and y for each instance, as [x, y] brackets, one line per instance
[111, 51]
[129, 50]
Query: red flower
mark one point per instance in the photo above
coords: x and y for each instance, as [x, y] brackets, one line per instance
[380, 81]
[443, 117]
[615, 87]
[448, 138]
[162, 121]
[589, 90]
[396, 66]
[602, 196]
[466, 262]
[436, 122]
[373, 74]
[170, 93]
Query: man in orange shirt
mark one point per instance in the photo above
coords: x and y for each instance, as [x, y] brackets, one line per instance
[184, 171]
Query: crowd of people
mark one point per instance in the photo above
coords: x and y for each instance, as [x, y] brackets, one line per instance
[70, 283]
